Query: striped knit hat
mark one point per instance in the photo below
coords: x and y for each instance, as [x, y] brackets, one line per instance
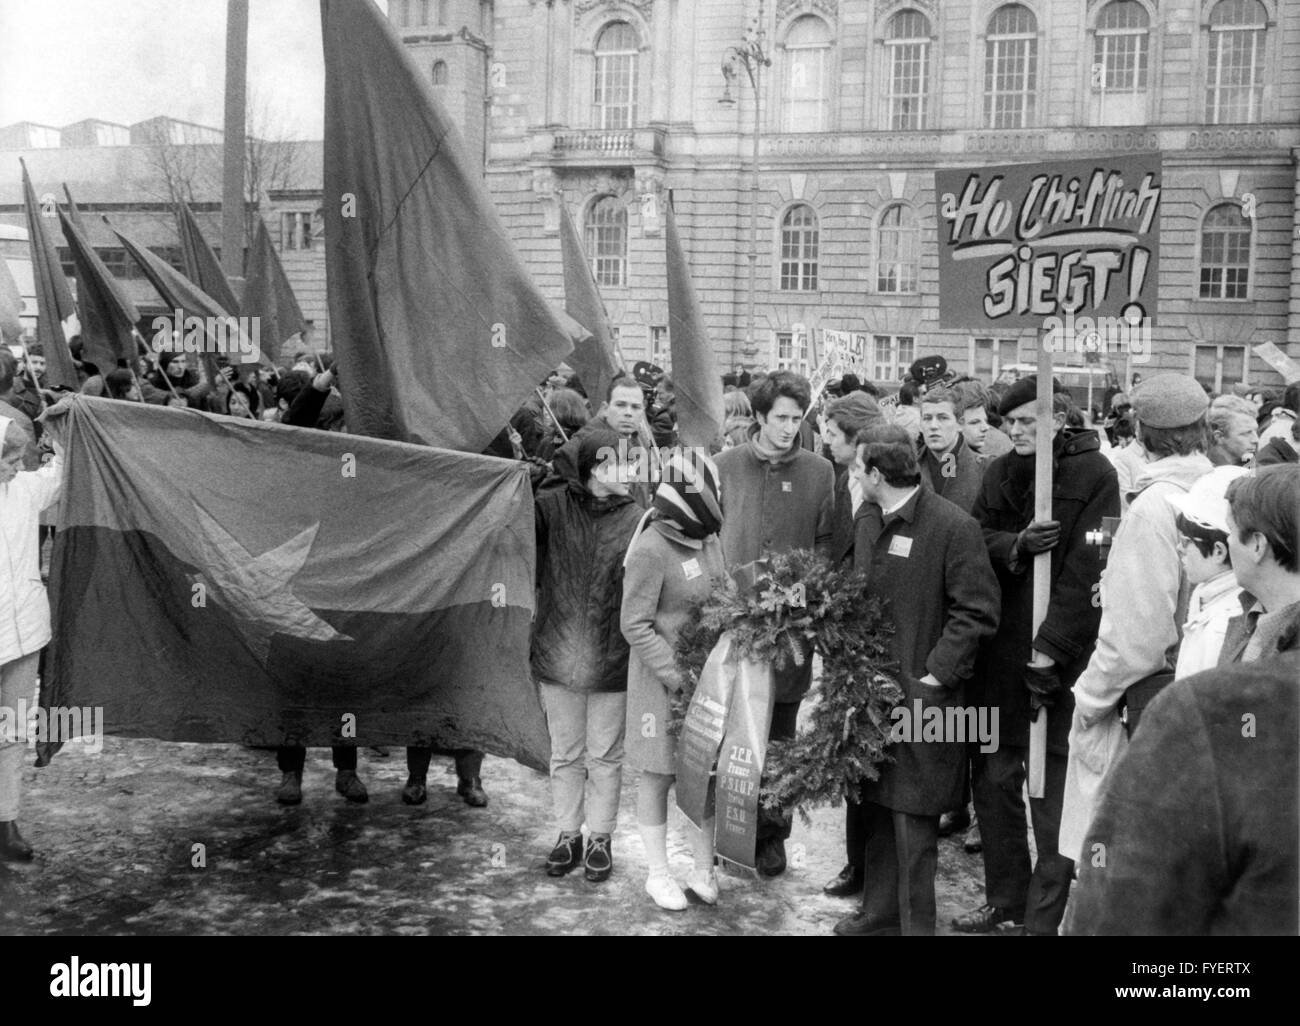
[688, 494]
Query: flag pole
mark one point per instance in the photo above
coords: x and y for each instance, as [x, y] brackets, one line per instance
[558, 426]
[1043, 561]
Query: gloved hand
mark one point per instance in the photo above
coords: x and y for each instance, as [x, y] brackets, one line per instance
[1040, 536]
[1044, 684]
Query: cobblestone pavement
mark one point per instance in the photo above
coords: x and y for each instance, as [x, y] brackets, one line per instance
[115, 835]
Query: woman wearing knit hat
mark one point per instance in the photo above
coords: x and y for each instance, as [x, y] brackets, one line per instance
[674, 562]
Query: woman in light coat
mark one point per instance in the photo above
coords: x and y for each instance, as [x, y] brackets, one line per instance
[673, 563]
[24, 611]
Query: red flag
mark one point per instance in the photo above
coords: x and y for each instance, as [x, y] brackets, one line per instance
[107, 314]
[440, 332]
[696, 381]
[219, 331]
[593, 359]
[53, 297]
[201, 264]
[269, 297]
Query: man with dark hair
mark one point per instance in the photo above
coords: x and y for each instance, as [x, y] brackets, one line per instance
[976, 427]
[1264, 545]
[953, 469]
[1143, 593]
[36, 363]
[1198, 820]
[779, 497]
[927, 560]
[1025, 673]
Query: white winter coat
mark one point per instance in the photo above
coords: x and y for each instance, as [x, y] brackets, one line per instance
[24, 608]
[1211, 606]
[1140, 590]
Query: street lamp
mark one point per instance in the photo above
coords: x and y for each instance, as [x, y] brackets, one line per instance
[752, 56]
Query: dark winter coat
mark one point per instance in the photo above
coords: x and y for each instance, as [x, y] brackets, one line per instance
[1198, 817]
[1278, 450]
[581, 542]
[957, 475]
[930, 564]
[1084, 489]
[770, 508]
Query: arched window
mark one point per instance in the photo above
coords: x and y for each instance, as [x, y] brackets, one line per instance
[1234, 73]
[606, 238]
[440, 73]
[1121, 53]
[799, 249]
[807, 64]
[1011, 68]
[1225, 253]
[907, 45]
[900, 250]
[614, 103]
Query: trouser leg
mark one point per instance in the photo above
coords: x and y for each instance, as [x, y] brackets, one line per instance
[997, 782]
[566, 720]
[469, 763]
[777, 823]
[606, 723]
[879, 863]
[417, 762]
[916, 844]
[291, 758]
[1049, 886]
[345, 757]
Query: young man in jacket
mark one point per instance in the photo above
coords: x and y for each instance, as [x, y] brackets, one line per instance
[925, 557]
[952, 467]
[1143, 592]
[779, 497]
[1084, 490]
[579, 655]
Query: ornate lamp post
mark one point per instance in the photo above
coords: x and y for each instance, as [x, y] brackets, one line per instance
[752, 56]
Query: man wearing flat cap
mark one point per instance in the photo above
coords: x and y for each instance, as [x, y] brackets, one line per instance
[1143, 593]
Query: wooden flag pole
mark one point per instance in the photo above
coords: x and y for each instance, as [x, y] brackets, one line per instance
[556, 420]
[1042, 561]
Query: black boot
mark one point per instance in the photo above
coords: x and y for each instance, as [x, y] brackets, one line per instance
[12, 846]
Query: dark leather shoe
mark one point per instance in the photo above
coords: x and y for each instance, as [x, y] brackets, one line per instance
[472, 791]
[847, 884]
[290, 790]
[862, 925]
[598, 862]
[987, 919]
[951, 822]
[12, 846]
[771, 856]
[566, 856]
[349, 785]
[415, 792]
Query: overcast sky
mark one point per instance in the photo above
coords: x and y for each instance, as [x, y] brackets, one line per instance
[128, 60]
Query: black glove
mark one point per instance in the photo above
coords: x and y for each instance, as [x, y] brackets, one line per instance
[1044, 684]
[1040, 536]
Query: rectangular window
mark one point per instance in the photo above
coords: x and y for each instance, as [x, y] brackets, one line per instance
[1010, 76]
[909, 62]
[295, 230]
[661, 354]
[806, 103]
[615, 91]
[988, 356]
[891, 356]
[1219, 367]
[65, 261]
[791, 348]
[1235, 86]
[117, 262]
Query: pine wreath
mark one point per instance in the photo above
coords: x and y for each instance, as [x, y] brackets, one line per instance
[797, 604]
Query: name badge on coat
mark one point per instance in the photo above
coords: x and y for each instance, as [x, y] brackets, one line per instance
[691, 568]
[899, 546]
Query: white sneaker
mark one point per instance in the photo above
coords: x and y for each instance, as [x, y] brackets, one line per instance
[666, 893]
[704, 882]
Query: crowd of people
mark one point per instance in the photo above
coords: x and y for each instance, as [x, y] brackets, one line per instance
[1172, 550]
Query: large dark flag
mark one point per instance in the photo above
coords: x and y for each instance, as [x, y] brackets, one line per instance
[593, 358]
[201, 264]
[696, 381]
[305, 582]
[219, 332]
[269, 297]
[440, 333]
[106, 312]
[53, 297]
